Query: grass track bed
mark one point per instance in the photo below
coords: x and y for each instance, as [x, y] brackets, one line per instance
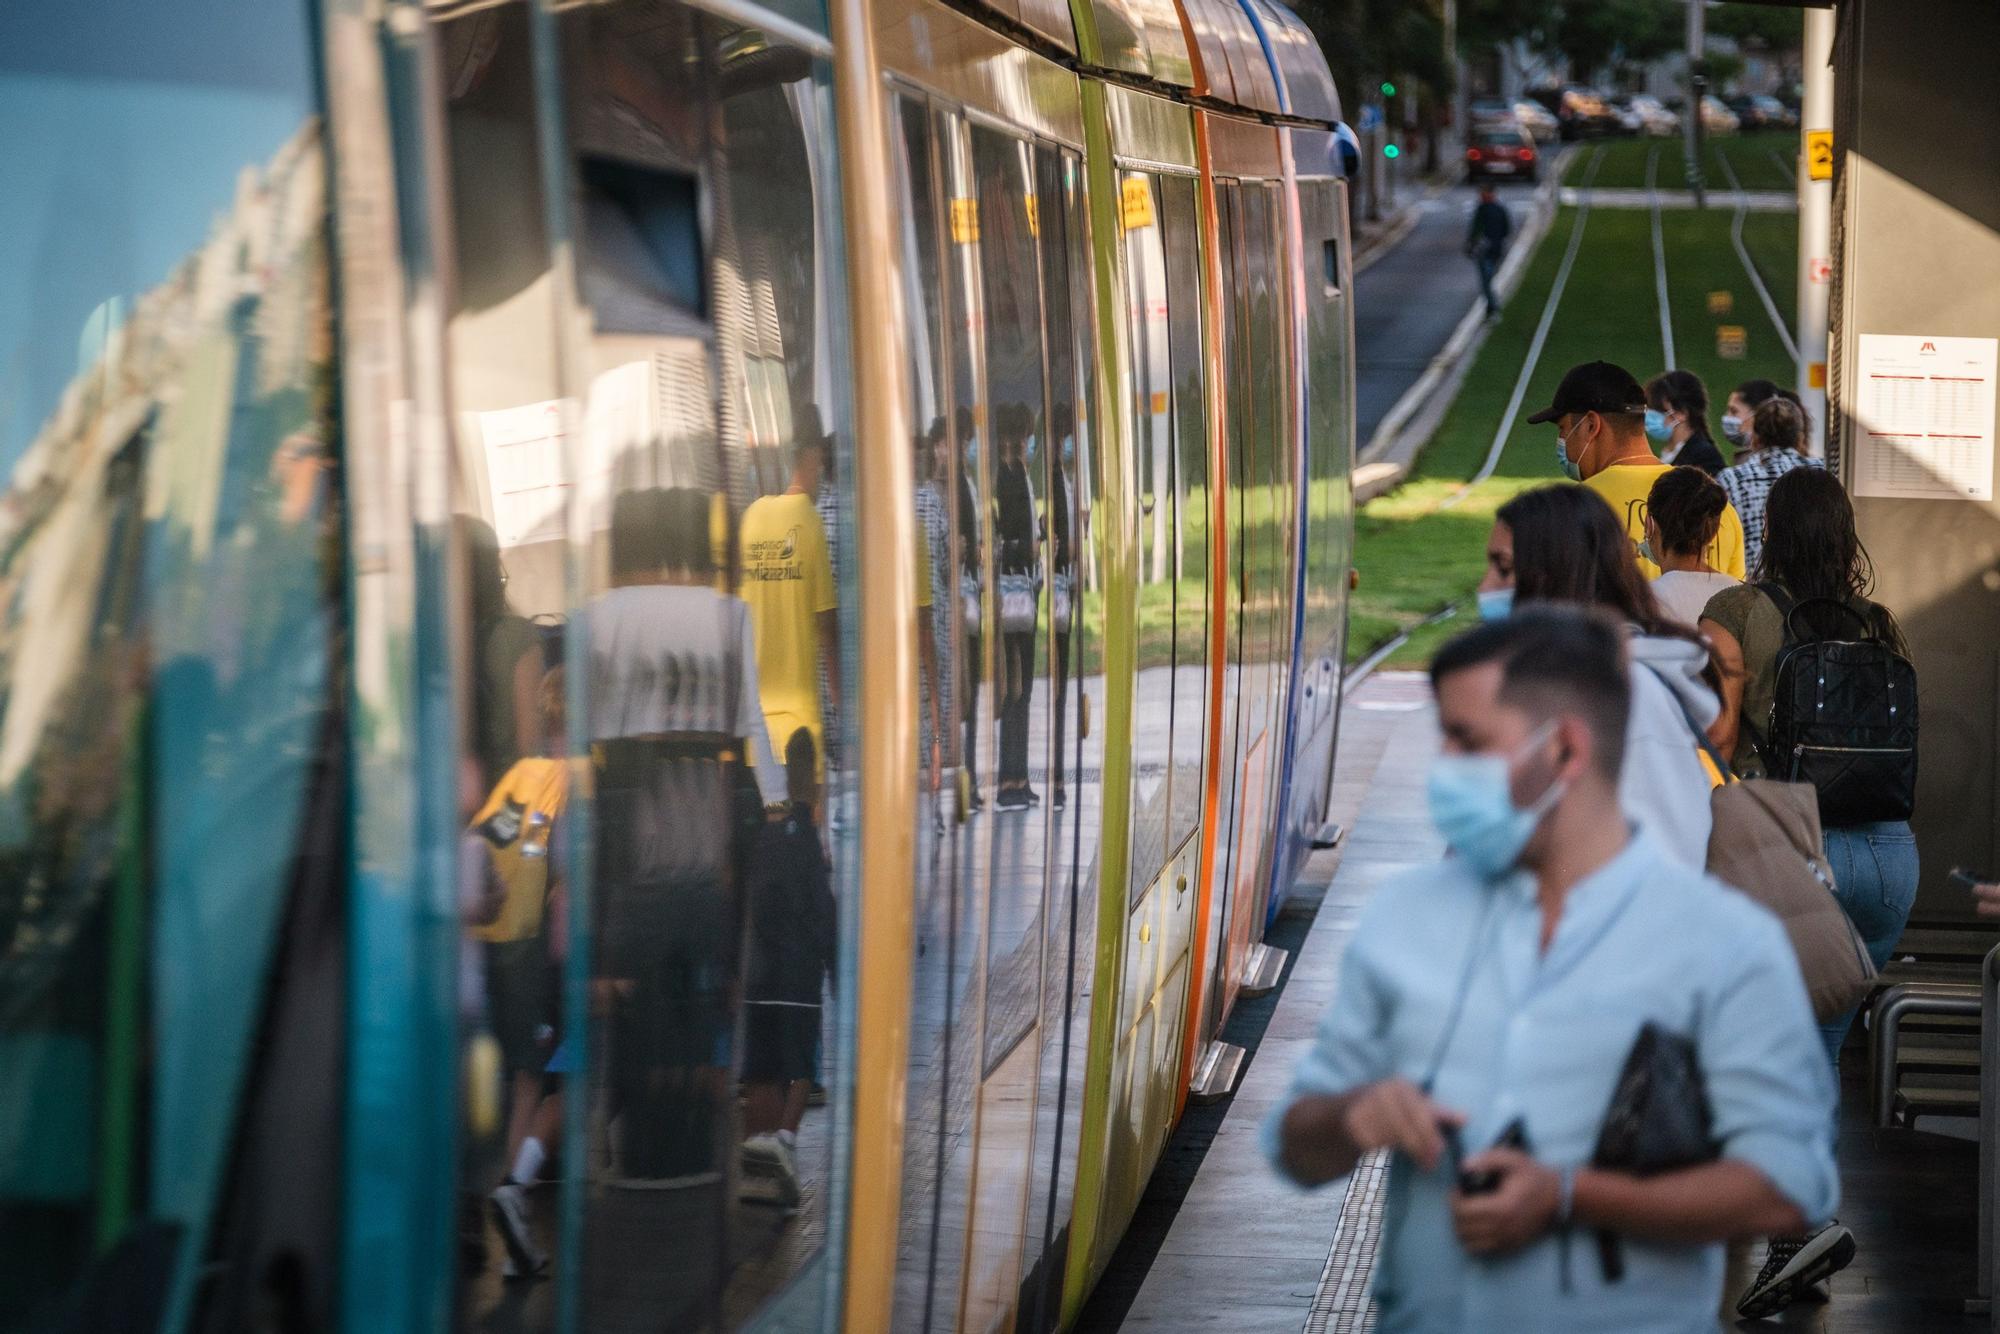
[1415, 558]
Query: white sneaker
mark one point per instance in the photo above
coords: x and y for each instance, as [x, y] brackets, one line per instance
[509, 1206]
[771, 1157]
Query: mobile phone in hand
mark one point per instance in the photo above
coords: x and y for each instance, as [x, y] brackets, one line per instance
[1515, 1136]
[1967, 879]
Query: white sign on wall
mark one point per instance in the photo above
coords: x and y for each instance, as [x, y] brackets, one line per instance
[1926, 408]
[524, 472]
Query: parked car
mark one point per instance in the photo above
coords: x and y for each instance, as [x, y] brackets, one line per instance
[1630, 122]
[1749, 116]
[1487, 110]
[1500, 152]
[1579, 111]
[1717, 118]
[1536, 119]
[1653, 117]
[1777, 116]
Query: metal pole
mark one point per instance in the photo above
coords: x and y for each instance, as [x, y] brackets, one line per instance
[1815, 276]
[888, 703]
[1697, 42]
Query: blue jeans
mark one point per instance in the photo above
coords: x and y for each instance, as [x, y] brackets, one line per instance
[1489, 264]
[1875, 879]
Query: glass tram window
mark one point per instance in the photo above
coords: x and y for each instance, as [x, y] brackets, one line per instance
[1190, 504]
[719, 592]
[1146, 315]
[1010, 291]
[165, 666]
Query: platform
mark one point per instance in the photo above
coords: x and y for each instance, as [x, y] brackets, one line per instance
[1250, 1252]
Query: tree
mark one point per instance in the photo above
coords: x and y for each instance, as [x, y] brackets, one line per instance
[1774, 27]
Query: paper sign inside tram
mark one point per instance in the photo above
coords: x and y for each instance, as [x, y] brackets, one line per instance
[1925, 428]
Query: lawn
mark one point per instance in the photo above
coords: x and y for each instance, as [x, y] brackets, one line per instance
[1762, 161]
[1415, 557]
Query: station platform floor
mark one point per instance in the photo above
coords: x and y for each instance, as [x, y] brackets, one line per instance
[1249, 1252]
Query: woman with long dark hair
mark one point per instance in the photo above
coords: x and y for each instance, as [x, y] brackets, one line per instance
[1811, 551]
[1563, 544]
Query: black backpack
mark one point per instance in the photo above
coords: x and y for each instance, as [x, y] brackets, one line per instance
[1843, 716]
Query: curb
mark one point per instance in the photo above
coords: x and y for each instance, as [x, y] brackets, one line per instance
[1390, 453]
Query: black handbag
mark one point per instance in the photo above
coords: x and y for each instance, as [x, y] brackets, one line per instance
[1659, 1120]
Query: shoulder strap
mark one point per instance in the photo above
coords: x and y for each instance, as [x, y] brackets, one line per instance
[1700, 737]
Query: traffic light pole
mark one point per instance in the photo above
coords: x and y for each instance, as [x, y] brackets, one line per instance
[1697, 42]
[1815, 177]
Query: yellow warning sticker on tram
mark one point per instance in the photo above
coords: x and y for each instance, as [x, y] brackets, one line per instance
[1731, 343]
[1136, 200]
[1034, 217]
[1721, 303]
[1159, 401]
[965, 220]
[1819, 155]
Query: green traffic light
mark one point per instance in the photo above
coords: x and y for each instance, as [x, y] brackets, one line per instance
[1388, 89]
[1390, 150]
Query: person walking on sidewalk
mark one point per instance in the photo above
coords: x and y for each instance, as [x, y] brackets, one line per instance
[1486, 243]
[1600, 418]
[1507, 986]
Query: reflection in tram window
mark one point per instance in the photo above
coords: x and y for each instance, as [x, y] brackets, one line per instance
[719, 645]
[170, 882]
[1190, 531]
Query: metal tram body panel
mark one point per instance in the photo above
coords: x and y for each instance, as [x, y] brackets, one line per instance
[602, 279]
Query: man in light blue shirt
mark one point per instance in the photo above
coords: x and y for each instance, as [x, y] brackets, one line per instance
[1511, 981]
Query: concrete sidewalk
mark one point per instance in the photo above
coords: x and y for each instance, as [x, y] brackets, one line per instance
[1249, 1251]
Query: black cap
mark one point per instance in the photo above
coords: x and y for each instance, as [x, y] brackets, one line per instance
[1595, 386]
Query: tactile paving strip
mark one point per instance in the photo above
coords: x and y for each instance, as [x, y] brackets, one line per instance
[1341, 1305]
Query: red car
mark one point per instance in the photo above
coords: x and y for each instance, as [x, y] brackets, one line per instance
[1496, 151]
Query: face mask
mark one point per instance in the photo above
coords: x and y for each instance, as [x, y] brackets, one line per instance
[1571, 470]
[1646, 550]
[1496, 604]
[1732, 430]
[1656, 425]
[1473, 809]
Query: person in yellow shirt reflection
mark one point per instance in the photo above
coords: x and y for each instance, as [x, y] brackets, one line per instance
[787, 581]
[1600, 418]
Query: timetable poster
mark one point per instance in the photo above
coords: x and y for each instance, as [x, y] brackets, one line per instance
[1926, 421]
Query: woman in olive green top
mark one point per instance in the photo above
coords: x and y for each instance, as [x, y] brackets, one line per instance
[1812, 551]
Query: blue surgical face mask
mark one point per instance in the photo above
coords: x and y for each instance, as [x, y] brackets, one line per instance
[1496, 604]
[1656, 425]
[1570, 468]
[1646, 550]
[1732, 429]
[1473, 808]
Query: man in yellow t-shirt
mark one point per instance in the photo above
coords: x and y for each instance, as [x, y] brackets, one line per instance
[788, 585]
[1600, 416]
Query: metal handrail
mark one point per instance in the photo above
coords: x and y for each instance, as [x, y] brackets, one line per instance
[1885, 1030]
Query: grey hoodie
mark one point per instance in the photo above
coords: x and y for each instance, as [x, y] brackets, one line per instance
[1663, 786]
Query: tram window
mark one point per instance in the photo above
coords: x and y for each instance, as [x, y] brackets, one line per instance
[1153, 420]
[1190, 507]
[718, 599]
[1015, 386]
[1330, 264]
[165, 682]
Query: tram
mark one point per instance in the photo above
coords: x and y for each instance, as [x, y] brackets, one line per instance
[737, 602]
